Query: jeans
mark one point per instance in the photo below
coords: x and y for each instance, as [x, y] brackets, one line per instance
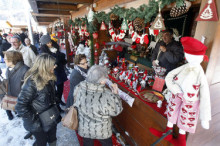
[104, 142]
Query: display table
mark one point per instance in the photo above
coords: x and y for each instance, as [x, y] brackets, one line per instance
[135, 121]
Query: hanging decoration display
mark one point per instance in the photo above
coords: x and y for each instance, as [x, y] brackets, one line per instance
[115, 37]
[131, 28]
[209, 12]
[158, 23]
[95, 35]
[139, 39]
[124, 25]
[90, 15]
[139, 24]
[177, 11]
[103, 26]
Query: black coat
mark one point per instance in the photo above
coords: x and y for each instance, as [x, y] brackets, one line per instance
[169, 59]
[34, 49]
[30, 102]
[4, 47]
[16, 78]
[60, 62]
[75, 79]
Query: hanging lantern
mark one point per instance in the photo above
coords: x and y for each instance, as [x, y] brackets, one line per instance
[158, 23]
[177, 11]
[124, 25]
[103, 26]
[95, 35]
[209, 12]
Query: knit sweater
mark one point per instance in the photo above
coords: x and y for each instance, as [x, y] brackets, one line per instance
[192, 82]
[96, 105]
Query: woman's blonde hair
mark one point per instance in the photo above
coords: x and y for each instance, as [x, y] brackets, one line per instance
[41, 71]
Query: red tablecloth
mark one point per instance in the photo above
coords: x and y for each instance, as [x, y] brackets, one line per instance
[152, 105]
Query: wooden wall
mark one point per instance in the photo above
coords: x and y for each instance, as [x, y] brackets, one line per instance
[212, 31]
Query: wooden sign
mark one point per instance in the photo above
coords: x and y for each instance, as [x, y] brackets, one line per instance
[209, 12]
[158, 84]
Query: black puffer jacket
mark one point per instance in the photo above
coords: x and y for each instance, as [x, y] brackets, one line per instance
[30, 102]
[169, 59]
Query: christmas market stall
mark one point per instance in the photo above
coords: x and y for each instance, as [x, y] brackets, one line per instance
[122, 38]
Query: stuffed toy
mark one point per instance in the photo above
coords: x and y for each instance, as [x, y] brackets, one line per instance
[190, 98]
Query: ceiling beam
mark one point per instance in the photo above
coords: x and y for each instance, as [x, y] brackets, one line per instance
[46, 19]
[44, 23]
[47, 15]
[60, 7]
[69, 1]
[54, 12]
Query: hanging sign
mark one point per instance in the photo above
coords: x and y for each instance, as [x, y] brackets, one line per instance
[103, 26]
[158, 23]
[209, 12]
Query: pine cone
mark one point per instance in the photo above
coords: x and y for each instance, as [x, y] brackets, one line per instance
[113, 16]
[139, 24]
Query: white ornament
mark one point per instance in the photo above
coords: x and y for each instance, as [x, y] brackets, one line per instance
[207, 13]
[90, 15]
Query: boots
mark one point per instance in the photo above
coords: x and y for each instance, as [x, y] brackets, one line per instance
[54, 143]
[28, 135]
[10, 116]
[159, 133]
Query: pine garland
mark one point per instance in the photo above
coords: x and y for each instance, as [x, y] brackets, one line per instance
[145, 12]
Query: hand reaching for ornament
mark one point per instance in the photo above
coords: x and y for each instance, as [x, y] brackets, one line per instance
[114, 88]
[205, 124]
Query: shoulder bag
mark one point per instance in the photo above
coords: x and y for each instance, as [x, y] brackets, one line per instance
[8, 102]
[70, 120]
[50, 117]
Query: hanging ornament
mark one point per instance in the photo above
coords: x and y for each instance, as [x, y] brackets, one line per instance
[124, 25]
[131, 28]
[158, 23]
[177, 11]
[139, 24]
[90, 15]
[209, 12]
[115, 37]
[139, 39]
[95, 35]
[103, 26]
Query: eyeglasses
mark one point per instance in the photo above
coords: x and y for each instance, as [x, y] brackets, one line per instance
[84, 63]
[14, 42]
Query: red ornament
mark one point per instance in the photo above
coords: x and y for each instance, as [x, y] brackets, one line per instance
[96, 53]
[209, 12]
[103, 26]
[95, 35]
[97, 45]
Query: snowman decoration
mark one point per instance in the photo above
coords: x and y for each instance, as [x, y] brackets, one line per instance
[190, 98]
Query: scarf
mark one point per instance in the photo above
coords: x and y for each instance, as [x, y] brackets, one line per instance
[76, 67]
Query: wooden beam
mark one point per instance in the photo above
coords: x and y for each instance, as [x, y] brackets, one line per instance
[47, 15]
[54, 12]
[69, 1]
[44, 23]
[46, 19]
[60, 7]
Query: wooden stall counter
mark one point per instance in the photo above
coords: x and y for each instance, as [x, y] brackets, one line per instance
[134, 122]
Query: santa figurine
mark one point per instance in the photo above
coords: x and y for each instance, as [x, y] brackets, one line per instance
[129, 79]
[122, 75]
[190, 98]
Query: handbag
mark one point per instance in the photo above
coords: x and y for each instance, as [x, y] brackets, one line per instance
[70, 120]
[9, 102]
[50, 118]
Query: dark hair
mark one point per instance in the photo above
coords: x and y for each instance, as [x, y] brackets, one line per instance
[17, 37]
[14, 56]
[168, 30]
[78, 58]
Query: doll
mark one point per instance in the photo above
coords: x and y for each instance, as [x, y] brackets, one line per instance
[190, 98]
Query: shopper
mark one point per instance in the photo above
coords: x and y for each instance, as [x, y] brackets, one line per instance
[52, 48]
[78, 74]
[37, 95]
[14, 74]
[96, 105]
[167, 53]
[30, 46]
[28, 55]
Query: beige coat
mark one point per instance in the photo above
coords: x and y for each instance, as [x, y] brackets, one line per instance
[28, 55]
